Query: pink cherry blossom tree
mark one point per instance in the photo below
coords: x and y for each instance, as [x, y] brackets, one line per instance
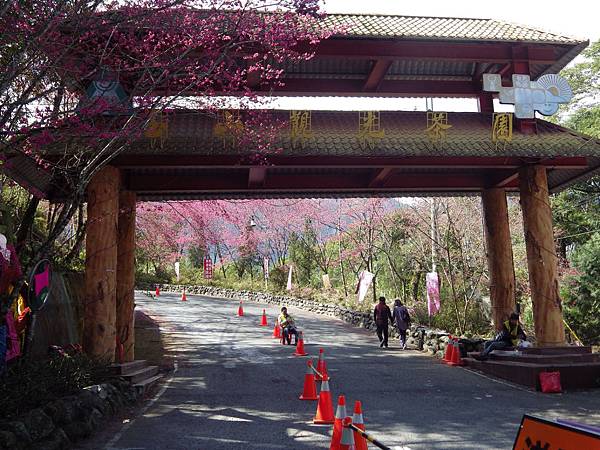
[159, 55]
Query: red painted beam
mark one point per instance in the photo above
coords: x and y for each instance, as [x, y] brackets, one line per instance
[381, 177]
[395, 49]
[307, 182]
[376, 76]
[164, 161]
[256, 176]
[323, 86]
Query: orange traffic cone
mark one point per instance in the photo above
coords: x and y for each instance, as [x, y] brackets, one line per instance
[456, 358]
[277, 330]
[324, 413]
[300, 346]
[447, 352]
[347, 442]
[309, 392]
[240, 310]
[183, 296]
[451, 351]
[359, 442]
[157, 291]
[324, 370]
[263, 321]
[340, 414]
[320, 363]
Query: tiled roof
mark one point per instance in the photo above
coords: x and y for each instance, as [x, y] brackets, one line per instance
[334, 133]
[442, 28]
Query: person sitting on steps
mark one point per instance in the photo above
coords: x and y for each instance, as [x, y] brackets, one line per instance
[288, 327]
[509, 337]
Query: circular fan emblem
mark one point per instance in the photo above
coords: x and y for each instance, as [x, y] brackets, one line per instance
[557, 86]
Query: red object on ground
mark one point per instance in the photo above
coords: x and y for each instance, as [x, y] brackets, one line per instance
[263, 321]
[340, 415]
[450, 352]
[157, 291]
[456, 358]
[324, 413]
[277, 330]
[347, 442]
[320, 363]
[323, 370]
[550, 382]
[309, 392]
[240, 310]
[183, 296]
[360, 443]
[447, 352]
[300, 346]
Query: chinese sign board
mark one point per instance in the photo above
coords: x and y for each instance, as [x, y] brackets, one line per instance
[208, 268]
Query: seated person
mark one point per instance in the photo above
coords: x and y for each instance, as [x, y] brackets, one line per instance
[509, 337]
[288, 326]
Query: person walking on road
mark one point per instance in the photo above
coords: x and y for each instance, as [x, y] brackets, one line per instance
[401, 318]
[381, 315]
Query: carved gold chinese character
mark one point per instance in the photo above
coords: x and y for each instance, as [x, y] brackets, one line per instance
[502, 128]
[228, 127]
[369, 128]
[157, 129]
[300, 127]
[437, 127]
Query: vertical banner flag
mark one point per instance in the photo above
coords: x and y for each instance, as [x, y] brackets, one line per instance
[289, 282]
[364, 281]
[208, 268]
[433, 293]
[326, 281]
[266, 267]
[177, 270]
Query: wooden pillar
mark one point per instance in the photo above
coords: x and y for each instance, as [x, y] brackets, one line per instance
[499, 254]
[541, 256]
[101, 264]
[126, 273]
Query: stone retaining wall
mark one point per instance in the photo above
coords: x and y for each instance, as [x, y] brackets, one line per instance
[64, 421]
[434, 341]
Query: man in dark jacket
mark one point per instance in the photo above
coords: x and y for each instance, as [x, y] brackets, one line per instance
[381, 315]
[509, 337]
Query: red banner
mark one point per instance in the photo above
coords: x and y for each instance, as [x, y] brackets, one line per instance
[208, 268]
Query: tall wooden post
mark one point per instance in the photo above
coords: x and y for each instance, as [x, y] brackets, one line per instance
[541, 256]
[499, 254]
[126, 274]
[101, 264]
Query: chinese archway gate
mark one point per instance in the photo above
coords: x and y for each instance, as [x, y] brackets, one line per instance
[369, 153]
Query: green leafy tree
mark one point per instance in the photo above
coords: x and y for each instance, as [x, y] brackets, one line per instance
[581, 292]
[577, 210]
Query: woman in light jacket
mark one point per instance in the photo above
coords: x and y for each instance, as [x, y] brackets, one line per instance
[402, 320]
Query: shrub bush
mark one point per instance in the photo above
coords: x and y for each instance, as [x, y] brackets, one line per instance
[31, 384]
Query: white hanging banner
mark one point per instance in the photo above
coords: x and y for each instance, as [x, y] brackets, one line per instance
[364, 281]
[433, 293]
[266, 267]
[326, 281]
[289, 282]
[177, 270]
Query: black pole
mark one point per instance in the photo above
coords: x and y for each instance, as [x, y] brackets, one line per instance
[368, 437]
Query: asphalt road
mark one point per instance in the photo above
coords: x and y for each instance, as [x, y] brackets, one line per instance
[236, 388]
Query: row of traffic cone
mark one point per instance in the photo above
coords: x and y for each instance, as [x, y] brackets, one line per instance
[452, 354]
[183, 296]
[343, 437]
